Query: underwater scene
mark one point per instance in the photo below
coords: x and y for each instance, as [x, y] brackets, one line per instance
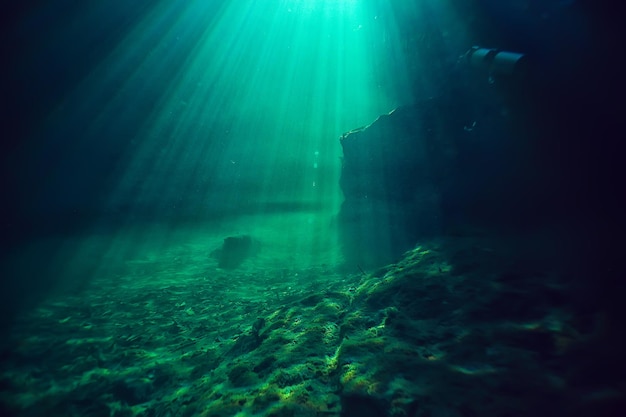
[307, 208]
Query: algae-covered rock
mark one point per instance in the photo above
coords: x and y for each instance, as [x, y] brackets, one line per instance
[235, 250]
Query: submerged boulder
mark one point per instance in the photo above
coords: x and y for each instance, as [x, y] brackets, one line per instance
[235, 250]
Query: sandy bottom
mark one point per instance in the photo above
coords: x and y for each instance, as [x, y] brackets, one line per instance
[141, 322]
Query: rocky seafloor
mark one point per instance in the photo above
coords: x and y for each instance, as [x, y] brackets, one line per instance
[456, 328]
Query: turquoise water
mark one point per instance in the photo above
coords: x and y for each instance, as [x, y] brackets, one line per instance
[311, 207]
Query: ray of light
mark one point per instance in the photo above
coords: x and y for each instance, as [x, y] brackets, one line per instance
[236, 109]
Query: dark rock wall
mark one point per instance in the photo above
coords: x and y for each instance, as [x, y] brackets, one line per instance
[449, 164]
[392, 177]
